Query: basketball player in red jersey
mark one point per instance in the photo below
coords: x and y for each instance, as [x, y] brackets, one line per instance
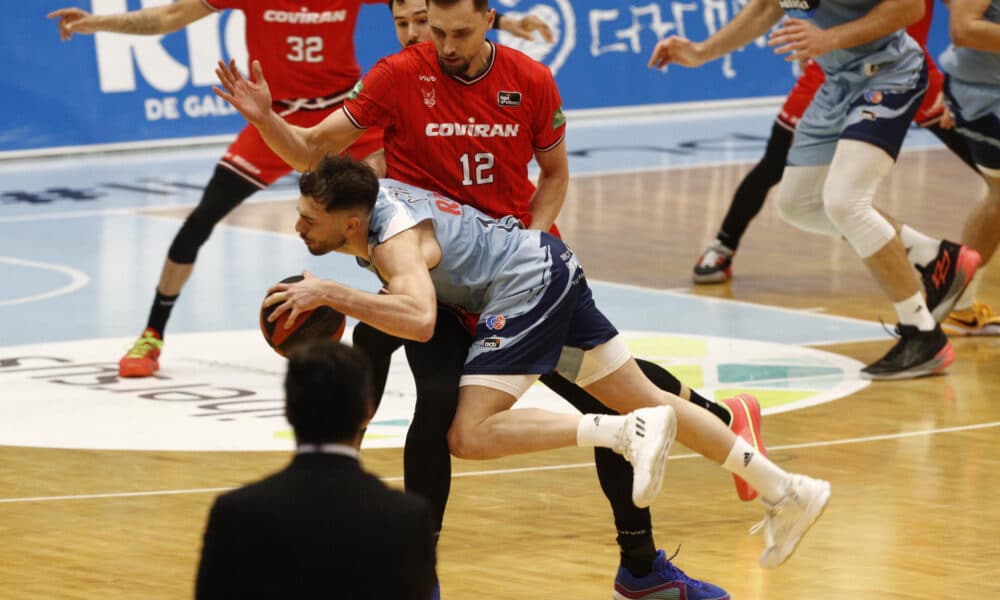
[715, 265]
[309, 49]
[464, 117]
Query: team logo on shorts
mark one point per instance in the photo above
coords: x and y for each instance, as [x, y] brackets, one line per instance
[495, 322]
[873, 97]
[491, 343]
[509, 98]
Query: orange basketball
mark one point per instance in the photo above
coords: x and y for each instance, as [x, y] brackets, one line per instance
[320, 323]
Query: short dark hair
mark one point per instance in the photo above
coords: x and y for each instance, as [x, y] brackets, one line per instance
[479, 5]
[340, 182]
[328, 392]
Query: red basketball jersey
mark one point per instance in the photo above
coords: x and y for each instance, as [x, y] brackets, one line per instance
[469, 140]
[306, 47]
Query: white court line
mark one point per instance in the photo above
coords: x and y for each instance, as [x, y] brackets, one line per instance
[78, 279]
[771, 449]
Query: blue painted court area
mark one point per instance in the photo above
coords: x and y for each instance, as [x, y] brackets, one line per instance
[79, 258]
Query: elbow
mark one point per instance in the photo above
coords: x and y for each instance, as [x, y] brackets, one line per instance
[960, 34]
[915, 10]
[423, 331]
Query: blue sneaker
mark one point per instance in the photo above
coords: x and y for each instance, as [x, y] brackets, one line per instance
[666, 582]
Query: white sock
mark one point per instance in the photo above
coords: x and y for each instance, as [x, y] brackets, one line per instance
[913, 311]
[920, 248]
[967, 298]
[599, 430]
[765, 476]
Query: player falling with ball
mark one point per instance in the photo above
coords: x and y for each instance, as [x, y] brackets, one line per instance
[427, 248]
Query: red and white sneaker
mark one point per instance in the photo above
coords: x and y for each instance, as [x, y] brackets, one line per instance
[142, 359]
[746, 424]
[715, 265]
[946, 277]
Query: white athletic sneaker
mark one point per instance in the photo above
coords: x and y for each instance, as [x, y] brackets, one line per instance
[644, 440]
[786, 522]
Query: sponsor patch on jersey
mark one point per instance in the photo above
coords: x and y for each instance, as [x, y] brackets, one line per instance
[495, 322]
[356, 90]
[873, 97]
[558, 118]
[868, 115]
[509, 98]
[492, 343]
[800, 9]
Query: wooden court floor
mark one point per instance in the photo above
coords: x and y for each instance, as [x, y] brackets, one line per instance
[914, 464]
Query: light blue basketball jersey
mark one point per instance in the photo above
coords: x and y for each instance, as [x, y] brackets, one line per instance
[864, 59]
[482, 259]
[974, 66]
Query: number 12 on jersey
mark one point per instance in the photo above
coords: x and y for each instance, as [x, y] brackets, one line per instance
[479, 165]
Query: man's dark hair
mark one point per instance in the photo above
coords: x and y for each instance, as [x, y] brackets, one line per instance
[339, 182]
[328, 393]
[479, 5]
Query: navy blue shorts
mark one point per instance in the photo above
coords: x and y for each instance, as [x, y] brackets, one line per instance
[530, 343]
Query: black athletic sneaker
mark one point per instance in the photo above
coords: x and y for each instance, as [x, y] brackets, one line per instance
[917, 353]
[946, 277]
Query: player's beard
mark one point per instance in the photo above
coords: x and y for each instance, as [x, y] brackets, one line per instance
[458, 69]
[332, 246]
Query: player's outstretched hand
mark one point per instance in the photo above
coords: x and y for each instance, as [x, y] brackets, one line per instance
[72, 20]
[676, 50]
[525, 27]
[251, 97]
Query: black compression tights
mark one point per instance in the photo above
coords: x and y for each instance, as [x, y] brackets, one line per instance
[752, 191]
[224, 192]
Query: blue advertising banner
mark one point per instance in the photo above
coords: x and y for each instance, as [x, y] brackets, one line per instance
[122, 89]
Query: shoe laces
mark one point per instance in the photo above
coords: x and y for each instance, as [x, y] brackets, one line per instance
[623, 441]
[770, 521]
[670, 572]
[984, 312]
[144, 345]
[714, 252]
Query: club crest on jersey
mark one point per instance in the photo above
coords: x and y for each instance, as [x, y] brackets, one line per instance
[509, 98]
[873, 97]
[495, 322]
[800, 9]
[430, 96]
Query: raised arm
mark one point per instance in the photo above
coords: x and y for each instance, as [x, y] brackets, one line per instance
[300, 147]
[749, 24]
[550, 193]
[147, 21]
[525, 27]
[969, 29]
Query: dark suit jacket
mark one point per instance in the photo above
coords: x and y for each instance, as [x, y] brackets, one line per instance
[322, 527]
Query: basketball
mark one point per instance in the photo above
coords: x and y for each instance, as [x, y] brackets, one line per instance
[320, 323]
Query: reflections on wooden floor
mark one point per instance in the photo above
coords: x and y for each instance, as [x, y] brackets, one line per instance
[914, 464]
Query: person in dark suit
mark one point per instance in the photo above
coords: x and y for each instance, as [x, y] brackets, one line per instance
[322, 526]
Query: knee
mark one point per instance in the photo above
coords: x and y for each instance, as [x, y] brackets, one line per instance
[462, 442]
[793, 210]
